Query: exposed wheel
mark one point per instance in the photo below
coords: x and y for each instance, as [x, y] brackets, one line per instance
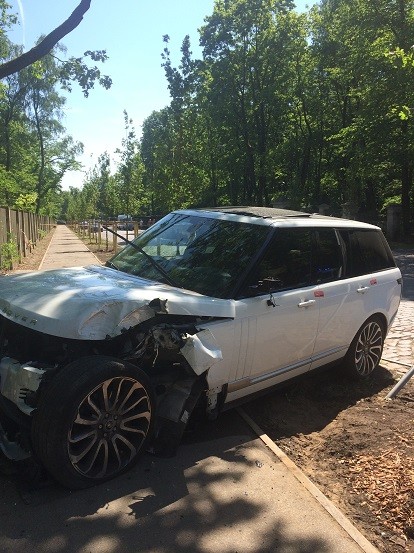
[93, 420]
[365, 351]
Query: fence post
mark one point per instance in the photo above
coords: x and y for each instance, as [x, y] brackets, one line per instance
[20, 235]
[9, 232]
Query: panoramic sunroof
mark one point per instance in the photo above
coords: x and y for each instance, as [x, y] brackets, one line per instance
[264, 212]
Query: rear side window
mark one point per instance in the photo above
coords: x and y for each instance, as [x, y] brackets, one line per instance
[366, 252]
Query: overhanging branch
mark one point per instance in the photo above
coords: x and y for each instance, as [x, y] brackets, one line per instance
[46, 45]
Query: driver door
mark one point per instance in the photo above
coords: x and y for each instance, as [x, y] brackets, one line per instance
[276, 327]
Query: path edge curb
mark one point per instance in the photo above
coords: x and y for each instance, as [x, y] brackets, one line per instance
[47, 250]
[326, 503]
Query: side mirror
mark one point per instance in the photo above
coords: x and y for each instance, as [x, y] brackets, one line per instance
[270, 284]
[265, 286]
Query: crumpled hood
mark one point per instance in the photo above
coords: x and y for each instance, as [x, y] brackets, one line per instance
[94, 302]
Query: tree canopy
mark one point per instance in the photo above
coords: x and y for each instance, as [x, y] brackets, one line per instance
[35, 150]
[281, 108]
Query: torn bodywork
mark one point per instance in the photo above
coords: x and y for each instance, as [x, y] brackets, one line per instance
[174, 351]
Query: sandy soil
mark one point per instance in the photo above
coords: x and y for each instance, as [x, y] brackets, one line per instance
[355, 445]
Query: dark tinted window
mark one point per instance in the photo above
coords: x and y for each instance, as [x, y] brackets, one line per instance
[328, 261]
[366, 252]
[285, 264]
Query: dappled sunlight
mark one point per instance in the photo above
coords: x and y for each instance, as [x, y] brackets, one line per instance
[211, 497]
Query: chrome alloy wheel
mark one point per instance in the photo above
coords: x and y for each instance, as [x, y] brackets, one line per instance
[368, 349]
[110, 426]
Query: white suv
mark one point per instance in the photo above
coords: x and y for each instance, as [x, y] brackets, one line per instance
[205, 308]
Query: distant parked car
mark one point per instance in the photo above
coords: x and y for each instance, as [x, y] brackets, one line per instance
[94, 226]
[126, 225]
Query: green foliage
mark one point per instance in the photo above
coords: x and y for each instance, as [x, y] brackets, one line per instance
[35, 151]
[301, 108]
[76, 70]
[130, 169]
[311, 108]
[26, 202]
[9, 254]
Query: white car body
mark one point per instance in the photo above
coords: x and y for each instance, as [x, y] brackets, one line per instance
[246, 339]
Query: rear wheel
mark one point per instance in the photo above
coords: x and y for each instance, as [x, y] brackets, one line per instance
[365, 351]
[93, 421]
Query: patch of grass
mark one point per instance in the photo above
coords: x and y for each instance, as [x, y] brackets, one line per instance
[9, 254]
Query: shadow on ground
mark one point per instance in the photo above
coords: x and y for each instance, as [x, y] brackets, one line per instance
[313, 401]
[199, 501]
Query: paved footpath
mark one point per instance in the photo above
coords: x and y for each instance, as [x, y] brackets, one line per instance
[66, 250]
[399, 345]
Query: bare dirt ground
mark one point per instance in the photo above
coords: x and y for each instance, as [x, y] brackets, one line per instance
[354, 444]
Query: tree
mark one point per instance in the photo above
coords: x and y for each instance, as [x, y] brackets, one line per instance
[248, 47]
[46, 45]
[35, 153]
[371, 145]
[34, 150]
[129, 171]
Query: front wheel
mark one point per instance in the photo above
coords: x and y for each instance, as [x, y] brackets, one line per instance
[365, 351]
[93, 421]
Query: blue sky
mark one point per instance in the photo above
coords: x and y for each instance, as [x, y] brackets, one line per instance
[131, 32]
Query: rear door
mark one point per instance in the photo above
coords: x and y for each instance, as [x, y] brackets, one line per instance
[367, 284]
[336, 305]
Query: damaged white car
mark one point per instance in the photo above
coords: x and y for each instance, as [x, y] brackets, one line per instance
[205, 308]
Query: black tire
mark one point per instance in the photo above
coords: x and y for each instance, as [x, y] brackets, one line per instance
[364, 353]
[93, 421]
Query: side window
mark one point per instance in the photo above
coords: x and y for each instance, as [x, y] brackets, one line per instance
[366, 252]
[375, 250]
[328, 261]
[286, 263]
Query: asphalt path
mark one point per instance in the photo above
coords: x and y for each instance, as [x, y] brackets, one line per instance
[223, 491]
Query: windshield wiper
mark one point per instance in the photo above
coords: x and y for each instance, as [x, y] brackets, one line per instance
[111, 265]
[158, 267]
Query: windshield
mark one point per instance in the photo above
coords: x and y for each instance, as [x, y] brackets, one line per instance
[196, 253]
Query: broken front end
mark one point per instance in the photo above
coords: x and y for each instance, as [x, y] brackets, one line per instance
[86, 408]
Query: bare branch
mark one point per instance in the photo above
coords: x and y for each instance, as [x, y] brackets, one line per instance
[46, 45]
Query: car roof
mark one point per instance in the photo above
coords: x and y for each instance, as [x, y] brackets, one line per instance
[274, 216]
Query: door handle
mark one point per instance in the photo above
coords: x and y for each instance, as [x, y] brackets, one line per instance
[306, 303]
[362, 289]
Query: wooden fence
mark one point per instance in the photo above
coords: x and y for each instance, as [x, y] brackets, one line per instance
[19, 233]
[95, 232]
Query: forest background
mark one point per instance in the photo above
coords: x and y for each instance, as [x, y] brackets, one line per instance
[299, 109]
